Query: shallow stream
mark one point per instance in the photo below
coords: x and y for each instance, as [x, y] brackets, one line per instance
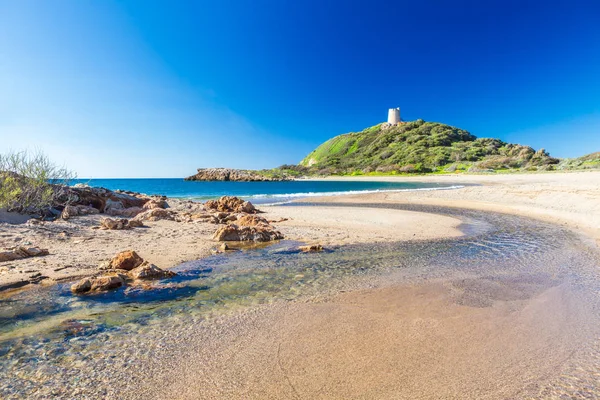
[55, 344]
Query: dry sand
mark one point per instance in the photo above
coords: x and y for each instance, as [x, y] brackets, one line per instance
[571, 199]
[76, 249]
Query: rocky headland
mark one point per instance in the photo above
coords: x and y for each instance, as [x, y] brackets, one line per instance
[236, 175]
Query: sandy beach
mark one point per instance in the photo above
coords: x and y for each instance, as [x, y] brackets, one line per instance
[571, 199]
[77, 249]
[461, 334]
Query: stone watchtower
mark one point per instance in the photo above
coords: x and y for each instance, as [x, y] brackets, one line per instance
[394, 116]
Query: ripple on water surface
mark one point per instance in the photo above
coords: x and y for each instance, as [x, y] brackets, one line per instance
[52, 343]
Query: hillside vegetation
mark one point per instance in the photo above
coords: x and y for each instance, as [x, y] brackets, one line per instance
[420, 146]
[590, 161]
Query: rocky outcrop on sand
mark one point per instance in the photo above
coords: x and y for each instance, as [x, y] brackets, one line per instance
[20, 252]
[156, 214]
[84, 200]
[120, 223]
[125, 267]
[74, 211]
[126, 260]
[230, 204]
[248, 228]
[149, 271]
[229, 174]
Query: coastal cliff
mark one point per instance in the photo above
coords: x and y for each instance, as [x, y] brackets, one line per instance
[236, 175]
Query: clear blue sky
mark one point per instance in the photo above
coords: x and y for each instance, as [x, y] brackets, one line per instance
[159, 88]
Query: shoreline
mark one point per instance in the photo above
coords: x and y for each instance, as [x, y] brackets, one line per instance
[570, 199]
[566, 198]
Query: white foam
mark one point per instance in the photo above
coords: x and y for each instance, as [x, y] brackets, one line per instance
[295, 196]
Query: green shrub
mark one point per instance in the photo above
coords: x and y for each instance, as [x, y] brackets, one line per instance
[30, 182]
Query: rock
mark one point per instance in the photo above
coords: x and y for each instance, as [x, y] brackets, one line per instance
[311, 248]
[99, 198]
[247, 207]
[126, 260]
[150, 271]
[251, 220]
[20, 252]
[73, 211]
[224, 247]
[261, 233]
[230, 204]
[98, 284]
[156, 203]
[114, 224]
[82, 286]
[107, 282]
[124, 212]
[134, 223]
[156, 214]
[229, 174]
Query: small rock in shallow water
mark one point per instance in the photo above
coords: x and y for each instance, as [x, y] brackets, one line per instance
[98, 284]
[82, 286]
[311, 249]
[150, 271]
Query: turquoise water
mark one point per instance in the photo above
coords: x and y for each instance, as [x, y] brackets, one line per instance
[260, 192]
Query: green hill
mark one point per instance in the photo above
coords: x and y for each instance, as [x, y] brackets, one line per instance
[420, 146]
[590, 161]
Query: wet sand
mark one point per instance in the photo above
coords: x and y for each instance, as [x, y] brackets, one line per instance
[398, 342]
[521, 327]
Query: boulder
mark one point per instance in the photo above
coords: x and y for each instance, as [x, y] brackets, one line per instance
[251, 220]
[156, 214]
[124, 212]
[115, 224]
[134, 223]
[99, 198]
[261, 233]
[98, 284]
[149, 271]
[156, 203]
[82, 286]
[74, 211]
[230, 204]
[126, 260]
[20, 252]
[107, 282]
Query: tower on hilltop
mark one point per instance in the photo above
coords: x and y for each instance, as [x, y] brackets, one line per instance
[394, 116]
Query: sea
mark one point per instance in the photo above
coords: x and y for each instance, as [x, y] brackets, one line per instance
[257, 192]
